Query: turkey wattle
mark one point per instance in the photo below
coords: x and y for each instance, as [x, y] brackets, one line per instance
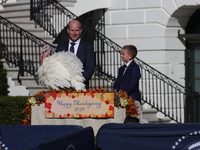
[61, 70]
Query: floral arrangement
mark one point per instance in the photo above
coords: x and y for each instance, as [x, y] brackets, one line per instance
[121, 99]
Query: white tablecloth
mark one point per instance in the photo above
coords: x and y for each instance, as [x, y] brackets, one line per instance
[38, 118]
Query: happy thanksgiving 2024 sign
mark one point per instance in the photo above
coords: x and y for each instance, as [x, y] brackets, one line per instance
[79, 105]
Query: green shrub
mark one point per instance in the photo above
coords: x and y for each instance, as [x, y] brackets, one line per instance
[11, 109]
[3, 81]
[3, 76]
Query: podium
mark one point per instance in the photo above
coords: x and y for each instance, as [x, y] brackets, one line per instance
[38, 118]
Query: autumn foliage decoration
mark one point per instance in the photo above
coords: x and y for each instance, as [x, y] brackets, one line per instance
[121, 99]
[131, 108]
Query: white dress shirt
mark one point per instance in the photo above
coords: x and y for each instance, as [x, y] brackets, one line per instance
[127, 66]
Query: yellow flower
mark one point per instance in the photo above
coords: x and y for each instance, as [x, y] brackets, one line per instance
[123, 102]
[32, 101]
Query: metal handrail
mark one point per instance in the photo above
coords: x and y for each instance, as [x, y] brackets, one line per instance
[158, 90]
[3, 2]
[21, 48]
[46, 11]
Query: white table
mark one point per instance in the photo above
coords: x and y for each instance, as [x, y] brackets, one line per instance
[38, 118]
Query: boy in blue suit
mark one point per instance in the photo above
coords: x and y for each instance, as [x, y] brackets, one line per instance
[129, 74]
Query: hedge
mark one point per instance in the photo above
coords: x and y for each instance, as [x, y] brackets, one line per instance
[3, 73]
[11, 108]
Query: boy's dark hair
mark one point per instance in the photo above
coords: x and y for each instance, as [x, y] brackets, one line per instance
[132, 50]
[131, 119]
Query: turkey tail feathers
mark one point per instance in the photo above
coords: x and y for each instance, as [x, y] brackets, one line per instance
[62, 70]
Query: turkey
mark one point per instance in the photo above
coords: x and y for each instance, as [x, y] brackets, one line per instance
[60, 70]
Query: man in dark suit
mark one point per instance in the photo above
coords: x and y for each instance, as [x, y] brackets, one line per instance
[84, 51]
[129, 74]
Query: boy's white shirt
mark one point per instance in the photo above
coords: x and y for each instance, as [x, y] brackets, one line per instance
[127, 64]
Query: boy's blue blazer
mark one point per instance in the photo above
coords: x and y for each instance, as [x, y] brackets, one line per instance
[130, 81]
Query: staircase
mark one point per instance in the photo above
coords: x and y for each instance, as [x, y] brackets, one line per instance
[19, 13]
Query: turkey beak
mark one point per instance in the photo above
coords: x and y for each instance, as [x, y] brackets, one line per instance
[44, 51]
